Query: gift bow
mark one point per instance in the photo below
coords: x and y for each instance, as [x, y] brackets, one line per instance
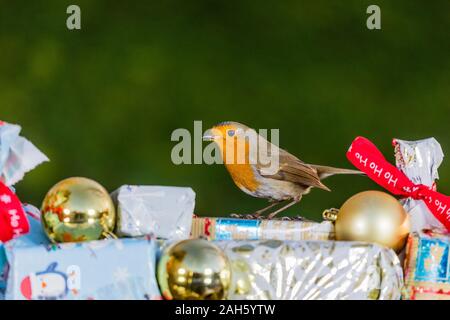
[364, 155]
[13, 220]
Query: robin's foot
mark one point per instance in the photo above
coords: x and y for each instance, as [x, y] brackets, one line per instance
[247, 216]
[243, 216]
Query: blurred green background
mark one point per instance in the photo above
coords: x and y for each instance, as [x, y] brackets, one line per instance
[102, 102]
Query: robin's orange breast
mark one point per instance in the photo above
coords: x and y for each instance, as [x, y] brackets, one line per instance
[243, 176]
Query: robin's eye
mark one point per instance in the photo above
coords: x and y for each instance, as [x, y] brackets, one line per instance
[231, 133]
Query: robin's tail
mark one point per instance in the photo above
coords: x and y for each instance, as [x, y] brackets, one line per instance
[325, 172]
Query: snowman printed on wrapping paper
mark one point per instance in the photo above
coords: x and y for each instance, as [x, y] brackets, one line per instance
[51, 284]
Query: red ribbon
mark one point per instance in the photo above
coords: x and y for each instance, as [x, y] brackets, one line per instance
[13, 220]
[364, 155]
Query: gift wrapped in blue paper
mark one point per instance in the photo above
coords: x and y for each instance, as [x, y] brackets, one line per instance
[35, 237]
[17, 157]
[427, 266]
[97, 270]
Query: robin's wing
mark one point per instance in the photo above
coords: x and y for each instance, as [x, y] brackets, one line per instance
[294, 170]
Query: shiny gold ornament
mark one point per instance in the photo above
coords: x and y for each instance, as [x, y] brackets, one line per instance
[194, 270]
[78, 209]
[373, 216]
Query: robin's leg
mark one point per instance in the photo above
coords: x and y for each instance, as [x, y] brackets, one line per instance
[290, 204]
[258, 213]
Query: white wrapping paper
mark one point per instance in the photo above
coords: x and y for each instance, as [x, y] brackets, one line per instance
[17, 154]
[165, 212]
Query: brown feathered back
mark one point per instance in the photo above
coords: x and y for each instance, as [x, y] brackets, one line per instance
[294, 170]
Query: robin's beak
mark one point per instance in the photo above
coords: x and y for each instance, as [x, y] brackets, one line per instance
[210, 135]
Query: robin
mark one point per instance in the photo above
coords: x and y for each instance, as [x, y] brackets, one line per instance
[287, 184]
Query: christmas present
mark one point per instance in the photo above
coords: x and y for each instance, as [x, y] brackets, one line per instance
[419, 161]
[312, 270]
[427, 266]
[251, 229]
[418, 186]
[35, 237]
[165, 212]
[100, 270]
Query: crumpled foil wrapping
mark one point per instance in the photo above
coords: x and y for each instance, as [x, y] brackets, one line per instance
[251, 229]
[419, 161]
[17, 154]
[427, 267]
[312, 270]
[165, 212]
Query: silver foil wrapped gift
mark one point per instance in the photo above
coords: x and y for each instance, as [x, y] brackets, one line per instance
[312, 270]
[419, 161]
[165, 212]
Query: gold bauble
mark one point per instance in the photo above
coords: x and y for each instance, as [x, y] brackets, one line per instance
[373, 216]
[78, 209]
[194, 270]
